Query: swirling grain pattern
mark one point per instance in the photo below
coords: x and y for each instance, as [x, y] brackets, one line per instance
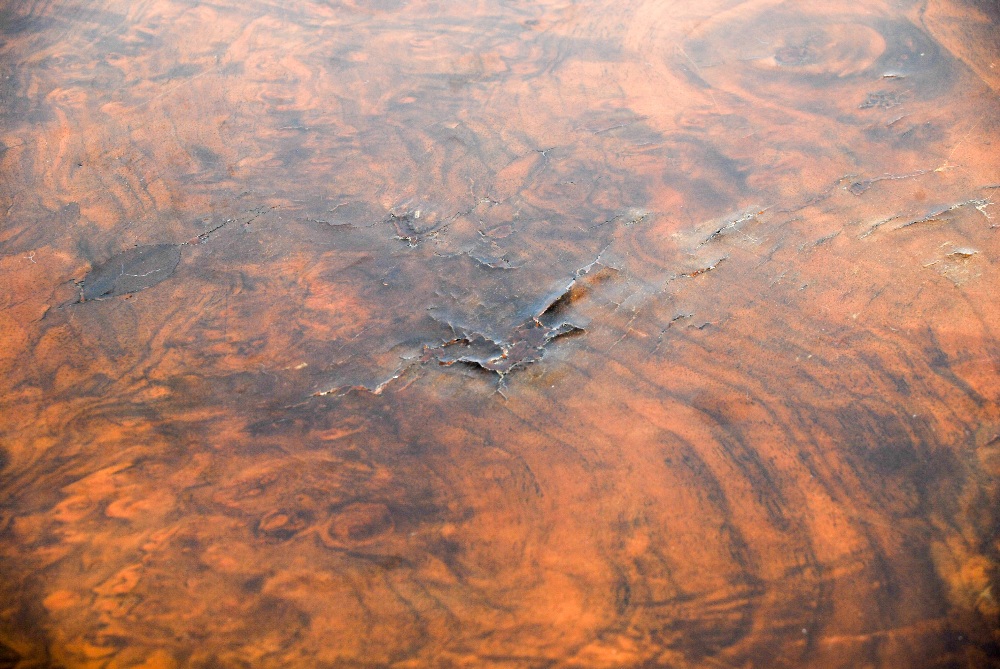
[398, 333]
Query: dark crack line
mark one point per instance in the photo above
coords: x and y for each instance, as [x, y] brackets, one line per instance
[862, 185]
[204, 237]
[978, 203]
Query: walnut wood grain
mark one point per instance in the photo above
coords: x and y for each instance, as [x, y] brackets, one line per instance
[495, 334]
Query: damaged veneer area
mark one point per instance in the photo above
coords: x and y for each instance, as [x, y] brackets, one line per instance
[525, 345]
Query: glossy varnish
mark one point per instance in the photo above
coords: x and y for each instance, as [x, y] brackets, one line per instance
[377, 333]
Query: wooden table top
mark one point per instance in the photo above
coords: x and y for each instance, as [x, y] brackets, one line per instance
[403, 333]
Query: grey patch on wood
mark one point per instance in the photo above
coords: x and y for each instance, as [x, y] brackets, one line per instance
[131, 271]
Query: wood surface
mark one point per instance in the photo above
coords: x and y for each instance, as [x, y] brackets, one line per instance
[405, 333]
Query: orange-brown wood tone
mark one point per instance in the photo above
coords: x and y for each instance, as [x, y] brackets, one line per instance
[405, 333]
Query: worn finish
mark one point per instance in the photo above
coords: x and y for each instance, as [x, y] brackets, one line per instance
[499, 334]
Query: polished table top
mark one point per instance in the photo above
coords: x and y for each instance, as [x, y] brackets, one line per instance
[388, 333]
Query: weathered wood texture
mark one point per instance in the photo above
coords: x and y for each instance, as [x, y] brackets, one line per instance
[499, 334]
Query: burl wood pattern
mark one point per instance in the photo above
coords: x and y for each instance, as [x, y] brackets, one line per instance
[388, 333]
